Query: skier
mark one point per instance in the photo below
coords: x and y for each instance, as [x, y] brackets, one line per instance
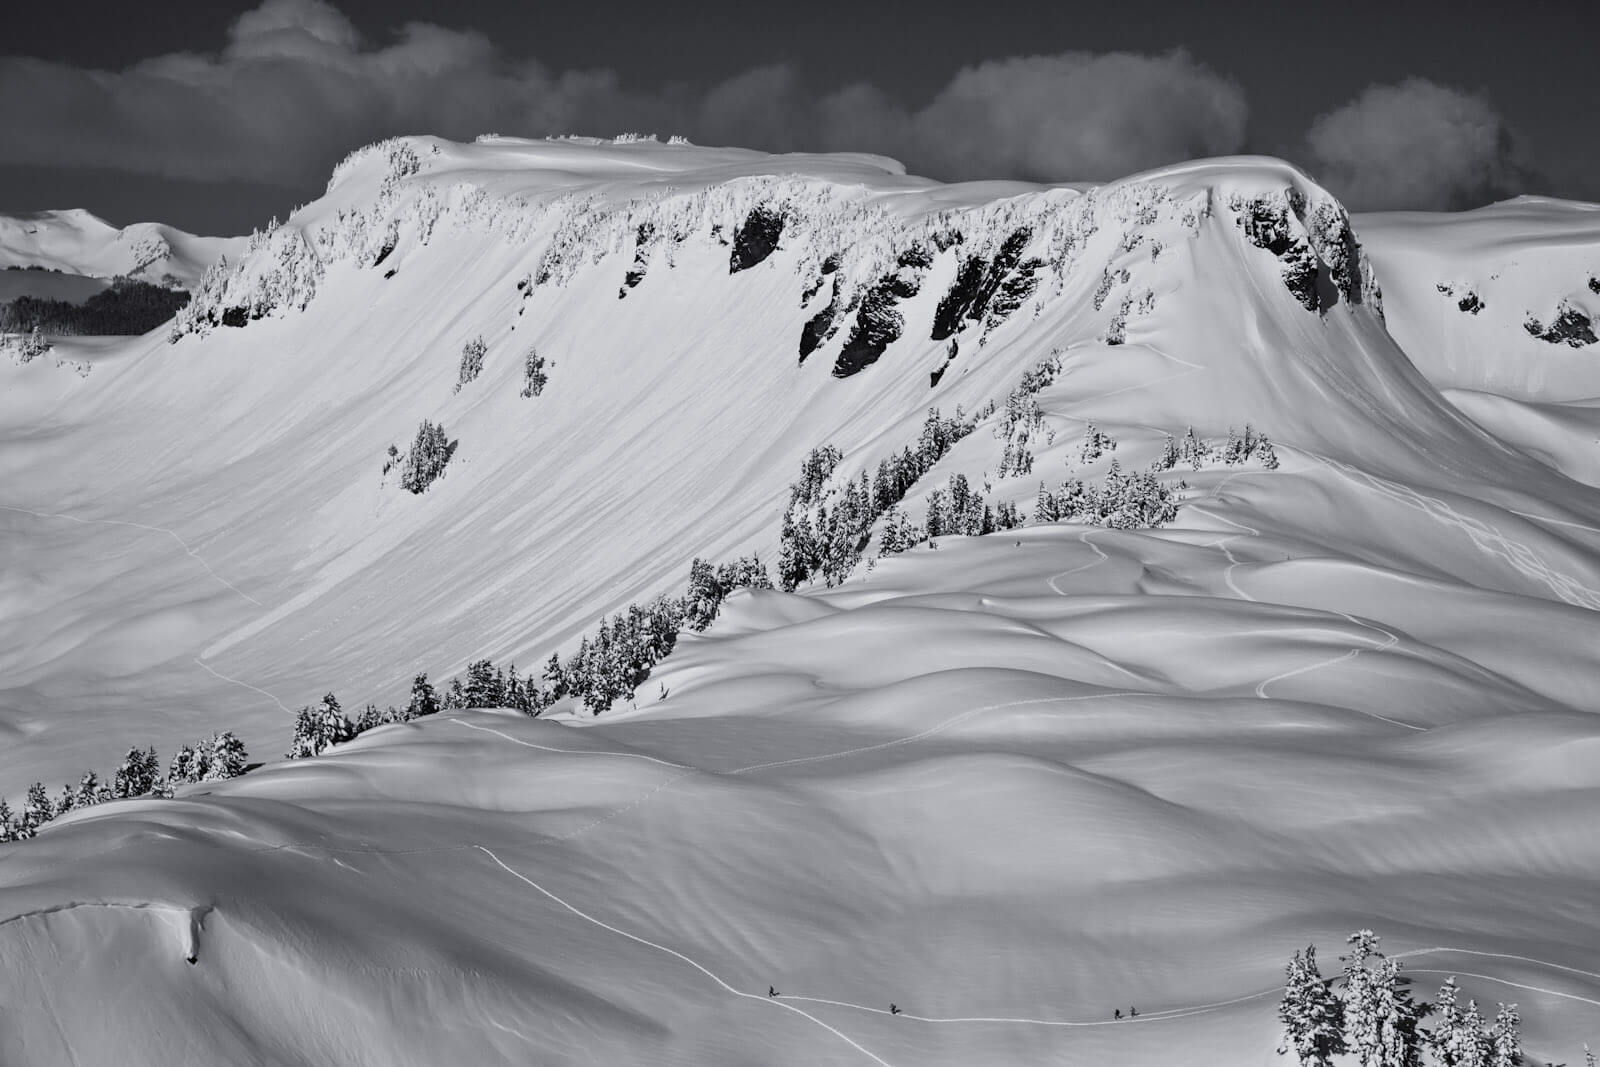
[894, 1009]
[1116, 1013]
[1133, 1013]
[771, 992]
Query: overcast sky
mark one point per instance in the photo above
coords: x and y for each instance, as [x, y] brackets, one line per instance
[215, 115]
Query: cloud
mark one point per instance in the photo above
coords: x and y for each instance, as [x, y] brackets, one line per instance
[1415, 145]
[1078, 116]
[294, 87]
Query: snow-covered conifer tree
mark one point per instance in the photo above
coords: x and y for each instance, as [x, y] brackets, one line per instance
[228, 758]
[472, 354]
[425, 462]
[1505, 1038]
[424, 701]
[188, 765]
[534, 377]
[1381, 1018]
[136, 775]
[37, 809]
[1169, 455]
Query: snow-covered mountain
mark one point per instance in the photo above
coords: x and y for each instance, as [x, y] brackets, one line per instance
[1008, 783]
[80, 244]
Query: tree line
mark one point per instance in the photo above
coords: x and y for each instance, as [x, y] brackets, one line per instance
[216, 758]
[1369, 1012]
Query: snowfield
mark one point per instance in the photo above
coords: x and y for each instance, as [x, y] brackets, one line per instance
[1007, 784]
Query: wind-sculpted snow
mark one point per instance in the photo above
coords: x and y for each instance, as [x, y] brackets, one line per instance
[1009, 783]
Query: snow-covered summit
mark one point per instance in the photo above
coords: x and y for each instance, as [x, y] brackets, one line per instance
[78, 242]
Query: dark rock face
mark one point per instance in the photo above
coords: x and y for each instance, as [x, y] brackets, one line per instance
[235, 316]
[973, 294]
[1266, 225]
[1571, 327]
[1594, 285]
[955, 304]
[829, 265]
[820, 328]
[756, 240]
[641, 240]
[1470, 304]
[878, 325]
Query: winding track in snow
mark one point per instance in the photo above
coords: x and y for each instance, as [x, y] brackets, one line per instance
[1483, 536]
[137, 526]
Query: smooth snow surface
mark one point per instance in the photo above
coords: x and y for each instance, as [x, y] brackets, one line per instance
[1008, 784]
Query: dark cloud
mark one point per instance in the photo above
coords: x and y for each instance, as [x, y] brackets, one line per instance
[1074, 116]
[295, 87]
[1415, 145]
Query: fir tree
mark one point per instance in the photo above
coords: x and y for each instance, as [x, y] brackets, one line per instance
[1458, 1039]
[423, 699]
[534, 377]
[1505, 1038]
[228, 758]
[317, 728]
[37, 809]
[472, 354]
[1263, 452]
[1381, 1019]
[1169, 455]
[188, 765]
[1312, 1016]
[8, 827]
[137, 774]
[425, 462]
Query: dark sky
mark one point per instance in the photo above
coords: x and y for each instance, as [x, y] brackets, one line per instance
[1407, 103]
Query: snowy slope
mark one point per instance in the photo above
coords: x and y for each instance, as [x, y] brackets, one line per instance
[1461, 291]
[1086, 768]
[76, 242]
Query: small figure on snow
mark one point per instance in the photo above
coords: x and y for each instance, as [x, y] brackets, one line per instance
[1133, 1013]
[771, 992]
[894, 1009]
[1116, 1013]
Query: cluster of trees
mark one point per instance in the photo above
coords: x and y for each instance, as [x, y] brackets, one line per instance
[280, 269]
[220, 756]
[819, 539]
[28, 346]
[534, 378]
[1137, 501]
[472, 354]
[316, 728]
[618, 658]
[956, 510]
[1021, 419]
[425, 462]
[128, 307]
[1095, 444]
[1369, 1012]
[1238, 449]
[607, 666]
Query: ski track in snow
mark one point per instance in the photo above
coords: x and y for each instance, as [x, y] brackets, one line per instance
[138, 526]
[1484, 537]
[708, 972]
[1389, 639]
[218, 674]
